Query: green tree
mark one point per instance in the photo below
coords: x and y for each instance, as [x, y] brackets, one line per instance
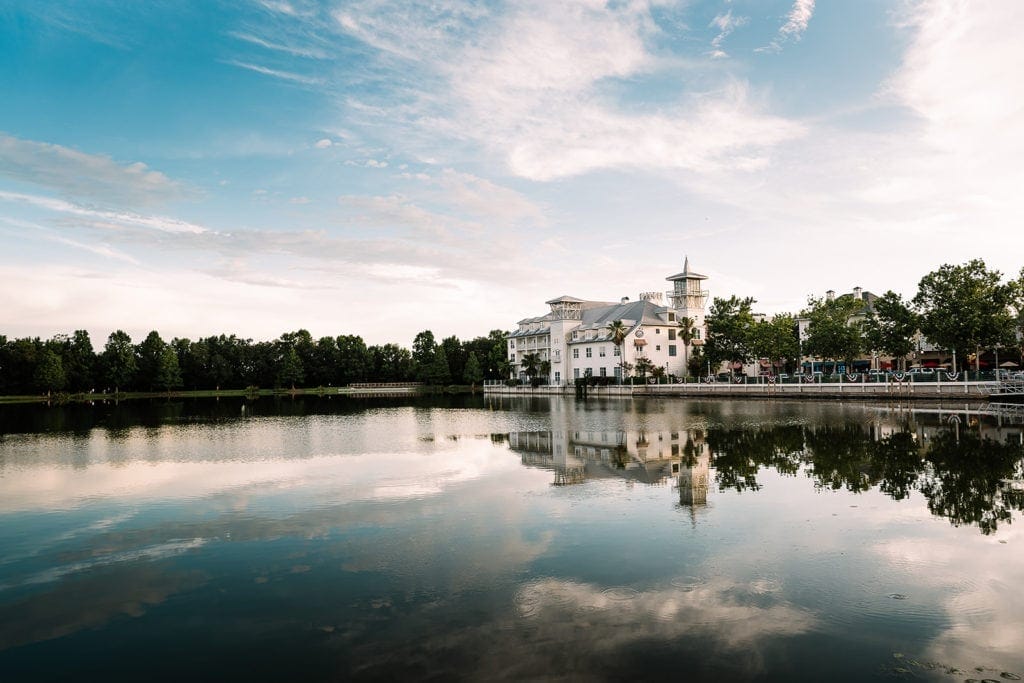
[729, 322]
[890, 327]
[49, 373]
[531, 364]
[149, 356]
[644, 366]
[289, 369]
[168, 374]
[473, 373]
[686, 334]
[834, 331]
[424, 348]
[119, 360]
[355, 362]
[775, 340]
[391, 363]
[80, 362]
[456, 354]
[438, 372]
[965, 308]
[619, 331]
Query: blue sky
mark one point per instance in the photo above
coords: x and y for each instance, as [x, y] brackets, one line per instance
[380, 167]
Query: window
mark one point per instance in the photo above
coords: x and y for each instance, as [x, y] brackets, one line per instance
[558, 378]
[657, 347]
[512, 343]
[671, 317]
[575, 353]
[616, 351]
[604, 372]
[696, 333]
[671, 349]
[590, 352]
[576, 373]
[512, 358]
[657, 330]
[671, 335]
[600, 351]
[575, 334]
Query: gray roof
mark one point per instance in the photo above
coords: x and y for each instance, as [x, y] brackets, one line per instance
[687, 274]
[565, 298]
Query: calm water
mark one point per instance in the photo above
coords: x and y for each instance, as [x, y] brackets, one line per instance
[480, 539]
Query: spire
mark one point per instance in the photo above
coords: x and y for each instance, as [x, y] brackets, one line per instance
[686, 263]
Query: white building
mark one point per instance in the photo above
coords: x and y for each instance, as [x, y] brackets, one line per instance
[573, 339]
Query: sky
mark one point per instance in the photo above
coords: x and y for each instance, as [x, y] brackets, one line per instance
[381, 167]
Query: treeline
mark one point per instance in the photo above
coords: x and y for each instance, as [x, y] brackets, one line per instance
[70, 363]
[964, 309]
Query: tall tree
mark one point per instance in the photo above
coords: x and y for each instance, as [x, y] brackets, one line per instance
[391, 363]
[438, 372]
[835, 332]
[355, 363]
[456, 354]
[775, 339]
[289, 368]
[965, 308]
[424, 348]
[49, 374]
[473, 373]
[118, 360]
[168, 374]
[619, 331]
[686, 334]
[149, 355]
[729, 322]
[890, 327]
[80, 362]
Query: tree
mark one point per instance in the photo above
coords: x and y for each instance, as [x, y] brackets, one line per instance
[531, 364]
[775, 339]
[119, 360]
[473, 373]
[891, 326]
[438, 372]
[355, 362]
[49, 374]
[965, 308]
[729, 322]
[424, 348]
[686, 325]
[168, 374]
[149, 356]
[834, 332]
[619, 331]
[456, 354]
[391, 363]
[289, 369]
[643, 366]
[79, 360]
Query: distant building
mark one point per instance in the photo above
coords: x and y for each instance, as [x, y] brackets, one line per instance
[573, 339]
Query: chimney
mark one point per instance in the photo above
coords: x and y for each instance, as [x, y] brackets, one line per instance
[858, 293]
[625, 300]
[830, 295]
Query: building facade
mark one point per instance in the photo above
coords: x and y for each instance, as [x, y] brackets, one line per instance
[574, 338]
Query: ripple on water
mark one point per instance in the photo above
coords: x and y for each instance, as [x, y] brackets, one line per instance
[621, 593]
[687, 584]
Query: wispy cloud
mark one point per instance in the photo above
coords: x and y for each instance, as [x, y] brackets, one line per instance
[799, 17]
[121, 218]
[726, 24]
[296, 50]
[93, 177]
[277, 73]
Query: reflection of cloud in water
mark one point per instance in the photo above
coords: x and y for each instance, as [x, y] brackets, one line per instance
[568, 629]
[151, 553]
[977, 582]
[738, 615]
[89, 603]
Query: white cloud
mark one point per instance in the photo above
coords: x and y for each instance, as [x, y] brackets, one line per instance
[797, 19]
[277, 73]
[123, 218]
[323, 143]
[726, 24]
[537, 89]
[93, 177]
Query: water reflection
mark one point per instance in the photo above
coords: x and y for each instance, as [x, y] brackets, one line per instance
[470, 538]
[968, 466]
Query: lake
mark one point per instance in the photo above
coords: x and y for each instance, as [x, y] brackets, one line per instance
[483, 538]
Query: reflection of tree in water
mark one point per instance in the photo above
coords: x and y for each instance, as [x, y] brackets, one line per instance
[740, 453]
[962, 477]
[964, 480]
[848, 458]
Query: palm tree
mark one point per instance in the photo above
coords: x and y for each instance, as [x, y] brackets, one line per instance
[658, 373]
[531, 364]
[686, 336]
[619, 331]
[545, 369]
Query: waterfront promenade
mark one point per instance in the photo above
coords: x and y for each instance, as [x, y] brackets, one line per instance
[867, 390]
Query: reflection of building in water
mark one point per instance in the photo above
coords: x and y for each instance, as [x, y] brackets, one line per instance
[693, 480]
[650, 457]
